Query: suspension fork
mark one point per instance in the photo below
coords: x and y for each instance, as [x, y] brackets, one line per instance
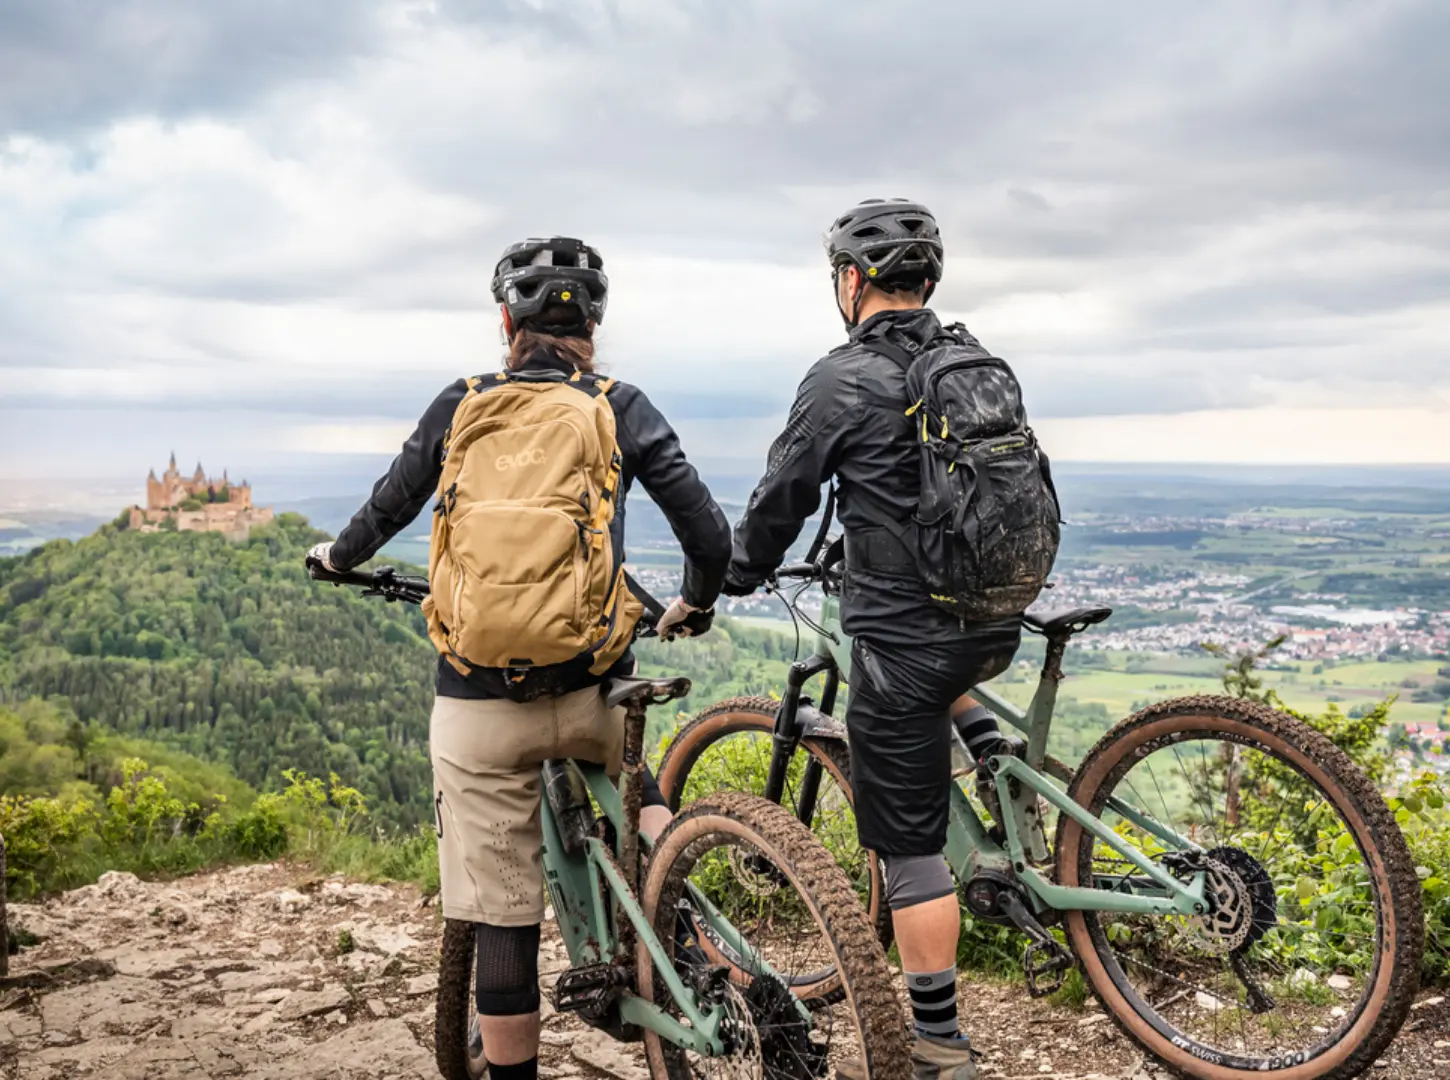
[789, 729]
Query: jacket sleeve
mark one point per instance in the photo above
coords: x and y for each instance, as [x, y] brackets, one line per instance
[653, 454]
[802, 459]
[404, 489]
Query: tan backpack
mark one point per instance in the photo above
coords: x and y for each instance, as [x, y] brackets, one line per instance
[522, 569]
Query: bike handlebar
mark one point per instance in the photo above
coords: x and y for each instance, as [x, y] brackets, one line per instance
[803, 571]
[392, 586]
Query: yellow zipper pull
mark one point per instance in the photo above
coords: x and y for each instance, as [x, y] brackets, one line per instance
[913, 409]
[943, 425]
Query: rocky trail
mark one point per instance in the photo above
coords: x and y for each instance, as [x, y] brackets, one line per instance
[268, 972]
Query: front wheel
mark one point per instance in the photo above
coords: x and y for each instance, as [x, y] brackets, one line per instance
[1307, 957]
[811, 920]
[728, 747]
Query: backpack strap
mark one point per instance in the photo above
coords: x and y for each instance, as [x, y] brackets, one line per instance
[889, 349]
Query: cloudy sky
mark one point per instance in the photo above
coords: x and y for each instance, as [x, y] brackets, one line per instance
[261, 231]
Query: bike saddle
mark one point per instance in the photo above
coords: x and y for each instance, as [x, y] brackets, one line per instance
[1065, 623]
[649, 691]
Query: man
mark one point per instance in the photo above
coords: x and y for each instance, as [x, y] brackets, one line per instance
[487, 743]
[911, 660]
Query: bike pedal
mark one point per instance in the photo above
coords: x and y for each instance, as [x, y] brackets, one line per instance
[1052, 969]
[589, 988]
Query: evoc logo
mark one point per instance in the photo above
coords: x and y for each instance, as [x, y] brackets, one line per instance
[523, 459]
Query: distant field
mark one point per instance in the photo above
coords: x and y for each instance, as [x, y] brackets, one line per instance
[1352, 684]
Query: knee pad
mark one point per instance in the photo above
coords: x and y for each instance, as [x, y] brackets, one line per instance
[508, 969]
[915, 879]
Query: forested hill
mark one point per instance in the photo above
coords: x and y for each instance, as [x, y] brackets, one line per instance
[228, 651]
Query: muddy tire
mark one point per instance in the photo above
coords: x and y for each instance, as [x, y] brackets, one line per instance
[455, 1009]
[1391, 980]
[867, 1004]
[755, 716]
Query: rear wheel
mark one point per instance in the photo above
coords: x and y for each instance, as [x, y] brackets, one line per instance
[1307, 956]
[456, 1043]
[810, 921]
[728, 747]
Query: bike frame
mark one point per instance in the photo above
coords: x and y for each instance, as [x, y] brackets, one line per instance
[970, 849]
[597, 908]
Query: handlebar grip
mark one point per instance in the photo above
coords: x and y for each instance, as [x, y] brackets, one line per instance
[798, 570]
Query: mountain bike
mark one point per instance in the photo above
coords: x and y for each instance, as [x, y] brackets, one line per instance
[1231, 886]
[717, 994]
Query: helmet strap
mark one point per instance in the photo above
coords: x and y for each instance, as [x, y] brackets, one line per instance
[853, 320]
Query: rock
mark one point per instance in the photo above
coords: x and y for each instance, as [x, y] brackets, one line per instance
[260, 1022]
[1339, 982]
[265, 977]
[61, 1038]
[272, 994]
[377, 1008]
[304, 1003]
[380, 1048]
[1337, 1012]
[138, 960]
[422, 984]
[15, 1026]
[1442, 1044]
[338, 1017]
[1428, 1003]
[1207, 1002]
[1302, 977]
[269, 947]
[598, 1051]
[114, 888]
[290, 901]
[388, 940]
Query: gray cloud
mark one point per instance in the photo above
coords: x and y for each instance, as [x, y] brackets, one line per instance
[78, 64]
[1148, 208]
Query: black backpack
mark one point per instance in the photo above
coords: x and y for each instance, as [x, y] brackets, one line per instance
[985, 532]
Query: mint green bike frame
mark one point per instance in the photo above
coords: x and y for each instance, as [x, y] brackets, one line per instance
[971, 849]
[597, 908]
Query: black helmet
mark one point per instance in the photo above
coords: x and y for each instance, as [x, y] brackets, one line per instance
[891, 241]
[536, 274]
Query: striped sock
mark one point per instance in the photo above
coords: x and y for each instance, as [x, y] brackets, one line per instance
[934, 1002]
[978, 729]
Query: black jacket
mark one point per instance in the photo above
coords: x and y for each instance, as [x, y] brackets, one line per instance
[849, 422]
[652, 455]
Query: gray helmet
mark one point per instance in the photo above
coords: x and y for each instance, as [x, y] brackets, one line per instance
[891, 241]
[536, 274]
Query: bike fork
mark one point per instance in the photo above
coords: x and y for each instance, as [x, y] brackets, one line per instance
[787, 736]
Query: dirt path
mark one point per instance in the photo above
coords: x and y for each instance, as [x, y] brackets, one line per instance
[239, 974]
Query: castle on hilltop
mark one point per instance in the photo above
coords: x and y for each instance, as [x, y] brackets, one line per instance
[198, 503]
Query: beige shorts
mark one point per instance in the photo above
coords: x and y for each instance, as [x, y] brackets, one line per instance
[486, 790]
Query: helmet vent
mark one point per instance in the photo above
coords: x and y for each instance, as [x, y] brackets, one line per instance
[866, 232]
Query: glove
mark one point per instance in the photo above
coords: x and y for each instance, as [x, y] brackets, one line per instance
[323, 554]
[736, 585]
[673, 623]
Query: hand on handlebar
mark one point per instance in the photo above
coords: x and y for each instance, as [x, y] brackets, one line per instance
[682, 620]
[321, 554]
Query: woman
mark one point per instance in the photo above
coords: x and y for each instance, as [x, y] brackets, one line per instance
[486, 749]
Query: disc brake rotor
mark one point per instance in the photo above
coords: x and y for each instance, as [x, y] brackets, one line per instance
[752, 874]
[1230, 916]
[1264, 902]
[742, 1059]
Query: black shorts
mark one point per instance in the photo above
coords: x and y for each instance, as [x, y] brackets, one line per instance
[898, 719]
